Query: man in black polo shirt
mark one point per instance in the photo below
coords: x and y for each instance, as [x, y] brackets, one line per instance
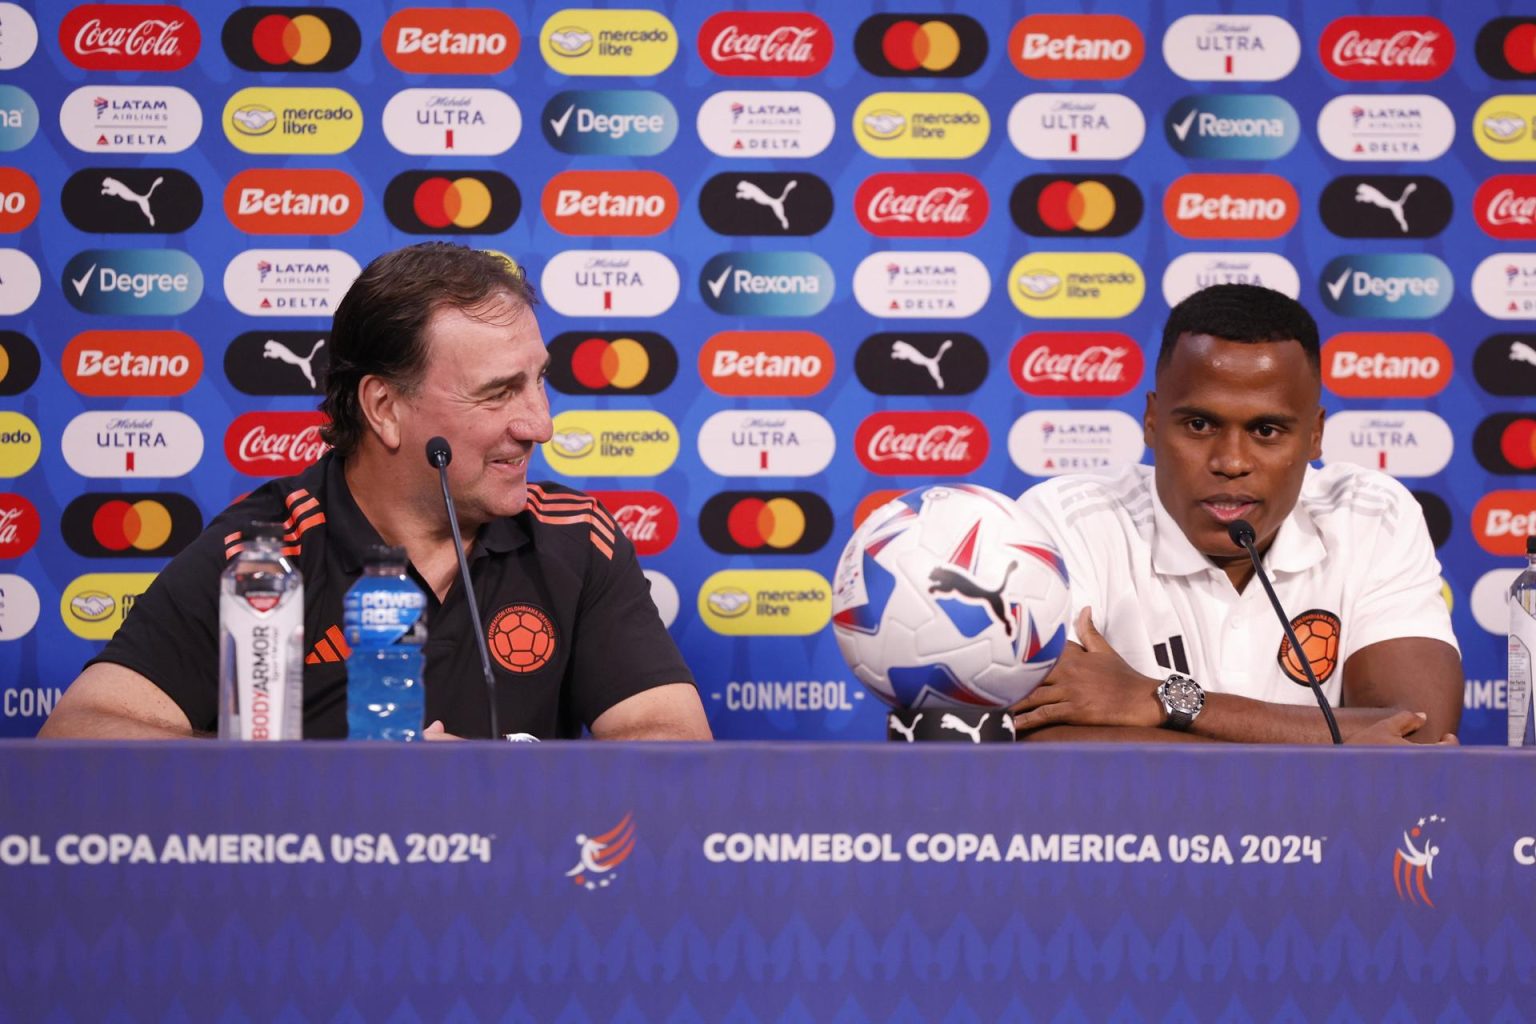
[434, 339]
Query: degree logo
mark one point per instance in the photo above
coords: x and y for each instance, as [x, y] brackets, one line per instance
[1386, 206]
[132, 200]
[586, 41]
[1231, 48]
[920, 45]
[610, 203]
[1367, 365]
[20, 525]
[293, 201]
[647, 518]
[1231, 206]
[921, 125]
[790, 44]
[289, 282]
[322, 121]
[1076, 364]
[610, 282]
[20, 282]
[1504, 286]
[155, 443]
[1106, 205]
[1393, 285]
[94, 605]
[452, 202]
[1398, 128]
[113, 364]
[1076, 46]
[1505, 443]
[1049, 443]
[591, 442]
[1505, 206]
[18, 116]
[792, 364]
[766, 283]
[1232, 127]
[1076, 285]
[133, 282]
[19, 41]
[922, 443]
[633, 363]
[291, 39]
[766, 523]
[278, 362]
[1076, 126]
[128, 37]
[921, 284]
[268, 444]
[19, 200]
[1403, 443]
[1193, 271]
[609, 122]
[766, 442]
[1501, 522]
[765, 203]
[921, 363]
[127, 118]
[1505, 364]
[1506, 48]
[1387, 48]
[152, 525]
[1505, 127]
[20, 444]
[908, 205]
[786, 125]
[452, 122]
[19, 363]
[766, 602]
[451, 41]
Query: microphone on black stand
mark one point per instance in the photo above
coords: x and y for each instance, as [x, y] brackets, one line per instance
[440, 454]
[1241, 532]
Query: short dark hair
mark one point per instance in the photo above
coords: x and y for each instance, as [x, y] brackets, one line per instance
[377, 329]
[1241, 312]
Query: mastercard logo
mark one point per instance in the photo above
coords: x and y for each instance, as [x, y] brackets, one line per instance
[452, 203]
[1106, 205]
[130, 525]
[1506, 48]
[619, 363]
[1506, 444]
[920, 45]
[291, 39]
[781, 523]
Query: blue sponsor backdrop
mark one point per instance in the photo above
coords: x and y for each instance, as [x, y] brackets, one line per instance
[35, 667]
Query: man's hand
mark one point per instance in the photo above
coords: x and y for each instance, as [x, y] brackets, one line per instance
[1394, 731]
[436, 731]
[1091, 685]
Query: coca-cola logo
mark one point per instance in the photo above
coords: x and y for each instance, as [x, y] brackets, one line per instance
[921, 205]
[1099, 364]
[647, 518]
[19, 525]
[782, 43]
[1399, 49]
[129, 37]
[922, 443]
[275, 443]
[1505, 206]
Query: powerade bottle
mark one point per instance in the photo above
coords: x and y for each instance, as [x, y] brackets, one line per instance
[1522, 651]
[385, 619]
[261, 641]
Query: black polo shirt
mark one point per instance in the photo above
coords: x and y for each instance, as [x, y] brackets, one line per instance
[568, 612]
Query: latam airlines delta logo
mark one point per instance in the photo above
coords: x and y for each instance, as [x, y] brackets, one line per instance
[766, 283]
[1391, 285]
[1076, 285]
[787, 125]
[128, 37]
[767, 442]
[1409, 127]
[1231, 48]
[451, 41]
[1049, 443]
[590, 442]
[452, 122]
[585, 41]
[262, 120]
[1505, 127]
[1387, 48]
[766, 602]
[1076, 126]
[140, 443]
[1504, 286]
[922, 284]
[610, 282]
[289, 282]
[1403, 443]
[1076, 46]
[133, 282]
[129, 118]
[921, 125]
[609, 122]
[782, 43]
[1232, 127]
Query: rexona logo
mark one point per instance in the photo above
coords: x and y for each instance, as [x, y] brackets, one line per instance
[609, 122]
[271, 444]
[791, 364]
[589, 442]
[1231, 206]
[291, 39]
[921, 125]
[766, 602]
[1386, 206]
[787, 125]
[921, 363]
[1193, 271]
[19, 200]
[585, 41]
[1049, 443]
[1231, 48]
[111, 364]
[766, 442]
[452, 122]
[610, 203]
[1367, 365]
[1076, 285]
[1395, 285]
[1076, 46]
[20, 525]
[289, 282]
[609, 282]
[1505, 443]
[94, 605]
[766, 522]
[921, 443]
[1232, 127]
[278, 362]
[1076, 205]
[1505, 127]
[1503, 520]
[1506, 48]
[261, 120]
[451, 41]
[1393, 441]
[789, 44]
[1076, 126]
[129, 525]
[1408, 127]
[132, 200]
[18, 41]
[19, 363]
[133, 444]
[1505, 207]
[765, 203]
[128, 37]
[20, 444]
[920, 45]
[1505, 364]
[452, 202]
[1087, 364]
[133, 282]
[923, 284]
[632, 363]
[766, 283]
[647, 518]
[912, 205]
[128, 118]
[1504, 286]
[293, 201]
[1363, 48]
[20, 282]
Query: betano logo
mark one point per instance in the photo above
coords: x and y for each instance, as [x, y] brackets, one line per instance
[1505, 443]
[1056, 441]
[1231, 48]
[128, 37]
[20, 282]
[19, 363]
[114, 364]
[766, 602]
[133, 282]
[127, 118]
[1076, 126]
[914, 205]
[264, 120]
[1231, 206]
[452, 203]
[452, 122]
[152, 525]
[766, 442]
[1504, 286]
[1232, 127]
[1076, 46]
[19, 200]
[586, 41]
[788, 44]
[318, 39]
[610, 282]
[1506, 48]
[591, 442]
[914, 45]
[1103, 205]
[1403, 443]
[1399, 127]
[137, 443]
[921, 125]
[1391, 285]
[293, 201]
[610, 203]
[451, 41]
[94, 605]
[633, 363]
[766, 283]
[1505, 207]
[609, 122]
[19, 42]
[1363, 48]
[1193, 271]
[1502, 521]
[766, 522]
[786, 125]
[791, 364]
[1374, 365]
[20, 444]
[1076, 285]
[1505, 127]
[922, 284]
[289, 282]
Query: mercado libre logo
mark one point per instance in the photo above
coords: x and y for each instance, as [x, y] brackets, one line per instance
[599, 857]
[263, 120]
[920, 45]
[291, 39]
[592, 442]
[1318, 632]
[927, 125]
[586, 41]
[456, 202]
[611, 363]
[766, 602]
[129, 525]
[94, 605]
[1413, 863]
[522, 638]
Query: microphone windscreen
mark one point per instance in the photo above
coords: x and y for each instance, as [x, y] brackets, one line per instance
[438, 452]
[1241, 532]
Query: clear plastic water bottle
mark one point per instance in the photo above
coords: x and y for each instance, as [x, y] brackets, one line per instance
[385, 618]
[1522, 651]
[261, 641]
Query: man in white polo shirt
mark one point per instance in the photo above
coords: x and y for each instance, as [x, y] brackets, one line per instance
[1167, 597]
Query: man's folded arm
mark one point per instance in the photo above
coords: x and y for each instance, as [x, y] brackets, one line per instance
[112, 702]
[671, 711]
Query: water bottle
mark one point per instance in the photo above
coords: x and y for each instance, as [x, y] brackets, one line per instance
[385, 618]
[261, 641]
[1522, 651]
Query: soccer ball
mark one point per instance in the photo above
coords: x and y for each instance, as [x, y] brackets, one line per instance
[951, 596]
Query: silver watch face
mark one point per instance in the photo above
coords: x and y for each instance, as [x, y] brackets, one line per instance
[1183, 694]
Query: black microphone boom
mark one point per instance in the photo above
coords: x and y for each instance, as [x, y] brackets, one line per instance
[1241, 532]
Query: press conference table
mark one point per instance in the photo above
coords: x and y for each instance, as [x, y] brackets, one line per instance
[764, 882]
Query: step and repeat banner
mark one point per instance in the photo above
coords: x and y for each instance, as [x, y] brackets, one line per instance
[793, 259]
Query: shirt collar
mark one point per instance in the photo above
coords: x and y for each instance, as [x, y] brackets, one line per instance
[1298, 545]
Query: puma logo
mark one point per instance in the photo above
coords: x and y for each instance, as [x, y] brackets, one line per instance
[1374, 196]
[1520, 352]
[275, 349]
[117, 190]
[973, 731]
[946, 580]
[906, 730]
[903, 351]
[747, 190]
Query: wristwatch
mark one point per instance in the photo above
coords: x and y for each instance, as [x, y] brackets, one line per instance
[1182, 699]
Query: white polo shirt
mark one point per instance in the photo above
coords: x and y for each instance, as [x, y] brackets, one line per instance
[1355, 548]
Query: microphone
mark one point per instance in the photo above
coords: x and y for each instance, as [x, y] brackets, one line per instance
[1241, 533]
[439, 454]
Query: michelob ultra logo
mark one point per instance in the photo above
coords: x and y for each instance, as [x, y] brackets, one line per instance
[20, 444]
[1076, 126]
[289, 282]
[137, 443]
[591, 442]
[922, 284]
[610, 203]
[1193, 271]
[19, 200]
[1505, 127]
[766, 442]
[1370, 365]
[128, 525]
[94, 605]
[586, 41]
[1403, 443]
[778, 363]
[1504, 286]
[1387, 48]
[133, 282]
[1076, 46]
[291, 39]
[263, 120]
[1231, 206]
[293, 201]
[1392, 285]
[1076, 285]
[921, 125]
[111, 364]
[1395, 127]
[20, 282]
[766, 522]
[609, 122]
[19, 363]
[788, 125]
[451, 41]
[610, 363]
[766, 602]
[452, 122]
[452, 203]
[1231, 48]
[912, 45]
[1232, 127]
[610, 282]
[127, 118]
[766, 283]
[1506, 48]
[18, 118]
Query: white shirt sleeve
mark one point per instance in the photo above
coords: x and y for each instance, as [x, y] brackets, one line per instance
[1400, 595]
[1043, 503]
